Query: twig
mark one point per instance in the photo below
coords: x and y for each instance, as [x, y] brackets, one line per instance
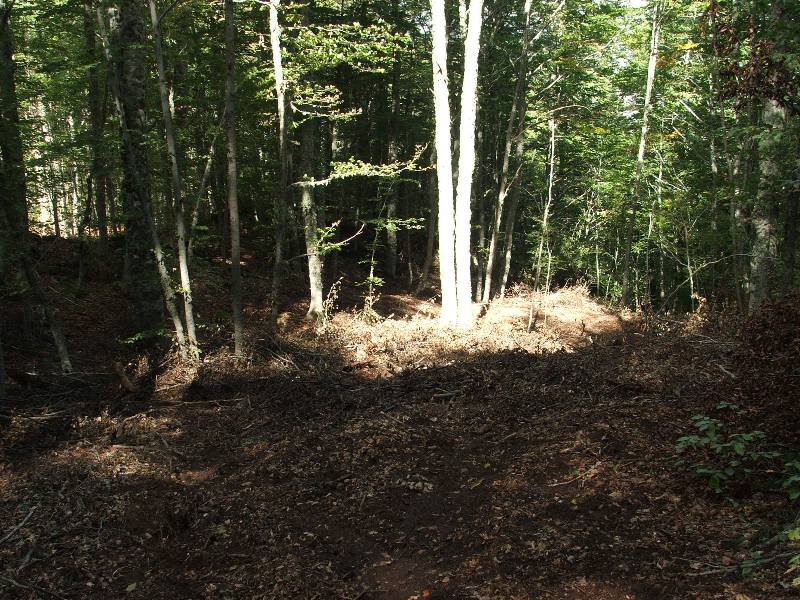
[583, 475]
[170, 448]
[27, 586]
[20, 525]
[747, 563]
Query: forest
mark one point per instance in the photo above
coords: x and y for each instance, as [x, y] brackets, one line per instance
[401, 299]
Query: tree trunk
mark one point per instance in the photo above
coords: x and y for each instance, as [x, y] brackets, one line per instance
[444, 166]
[310, 221]
[548, 202]
[466, 165]
[512, 217]
[480, 210]
[233, 198]
[13, 187]
[518, 108]
[430, 227]
[764, 218]
[177, 189]
[95, 95]
[633, 202]
[392, 156]
[201, 191]
[54, 208]
[142, 244]
[282, 198]
[739, 182]
[790, 238]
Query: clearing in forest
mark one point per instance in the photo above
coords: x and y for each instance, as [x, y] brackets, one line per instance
[391, 459]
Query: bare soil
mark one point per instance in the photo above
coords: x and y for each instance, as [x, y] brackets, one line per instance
[379, 459]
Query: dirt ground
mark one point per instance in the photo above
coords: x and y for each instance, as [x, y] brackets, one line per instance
[388, 459]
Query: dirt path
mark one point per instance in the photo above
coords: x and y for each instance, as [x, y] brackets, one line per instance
[389, 461]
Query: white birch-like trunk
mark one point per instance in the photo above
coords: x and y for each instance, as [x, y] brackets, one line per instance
[444, 166]
[466, 164]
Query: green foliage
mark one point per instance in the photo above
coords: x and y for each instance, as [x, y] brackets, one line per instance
[793, 535]
[725, 458]
[147, 336]
[791, 479]
[731, 456]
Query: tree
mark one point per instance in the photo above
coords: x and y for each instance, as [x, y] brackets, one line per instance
[466, 164]
[282, 197]
[308, 206]
[630, 213]
[13, 184]
[233, 198]
[514, 130]
[444, 167]
[177, 188]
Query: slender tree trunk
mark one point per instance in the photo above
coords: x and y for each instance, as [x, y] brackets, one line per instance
[511, 219]
[509, 238]
[282, 198]
[310, 221]
[54, 208]
[177, 189]
[13, 185]
[739, 182]
[513, 130]
[764, 217]
[633, 202]
[549, 202]
[444, 166]
[202, 191]
[95, 96]
[393, 154]
[108, 185]
[233, 198]
[3, 269]
[689, 268]
[480, 210]
[466, 165]
[430, 227]
[142, 244]
[790, 238]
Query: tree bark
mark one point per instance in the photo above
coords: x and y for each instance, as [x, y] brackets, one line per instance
[392, 152]
[201, 191]
[13, 185]
[310, 220]
[233, 198]
[282, 198]
[466, 165]
[177, 189]
[444, 166]
[511, 219]
[430, 227]
[764, 219]
[124, 49]
[95, 95]
[790, 237]
[549, 202]
[518, 108]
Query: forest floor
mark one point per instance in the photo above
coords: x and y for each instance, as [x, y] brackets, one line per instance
[391, 458]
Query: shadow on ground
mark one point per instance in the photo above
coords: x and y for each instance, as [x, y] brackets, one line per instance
[483, 475]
